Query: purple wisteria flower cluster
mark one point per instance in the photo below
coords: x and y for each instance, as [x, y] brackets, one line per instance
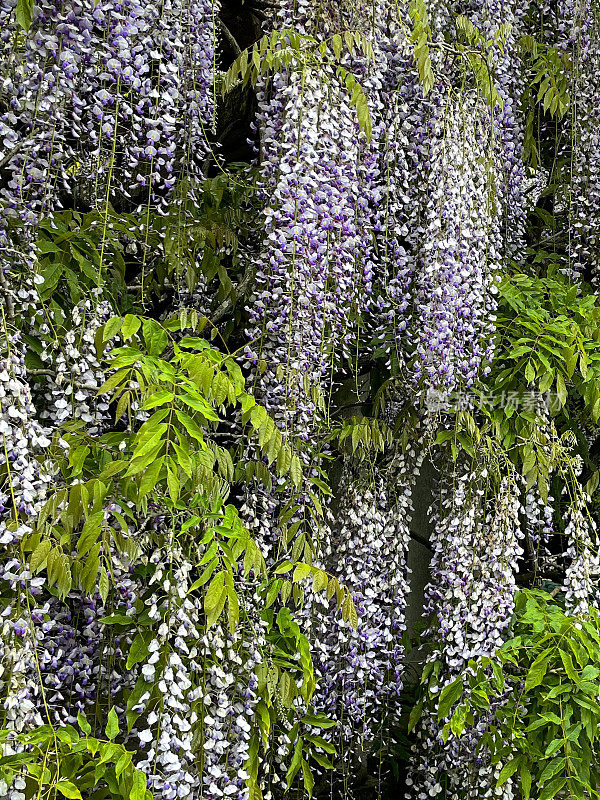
[361, 671]
[582, 553]
[539, 527]
[94, 99]
[459, 251]
[582, 572]
[71, 391]
[507, 119]
[24, 443]
[416, 250]
[229, 707]
[442, 184]
[471, 599]
[473, 581]
[578, 31]
[165, 730]
[313, 246]
[53, 650]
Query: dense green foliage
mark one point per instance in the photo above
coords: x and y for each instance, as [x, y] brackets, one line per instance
[543, 690]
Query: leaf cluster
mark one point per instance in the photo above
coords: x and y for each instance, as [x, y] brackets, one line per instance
[69, 763]
[542, 689]
[289, 50]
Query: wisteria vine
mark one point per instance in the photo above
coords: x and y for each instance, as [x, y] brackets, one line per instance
[209, 496]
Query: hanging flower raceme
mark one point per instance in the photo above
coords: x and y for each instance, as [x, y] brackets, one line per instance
[162, 731]
[394, 172]
[583, 572]
[95, 96]
[470, 599]
[55, 652]
[472, 588]
[502, 24]
[578, 32]
[451, 185]
[360, 670]
[459, 250]
[24, 479]
[77, 654]
[229, 706]
[24, 484]
[312, 250]
[582, 553]
[71, 391]
[310, 277]
[196, 737]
